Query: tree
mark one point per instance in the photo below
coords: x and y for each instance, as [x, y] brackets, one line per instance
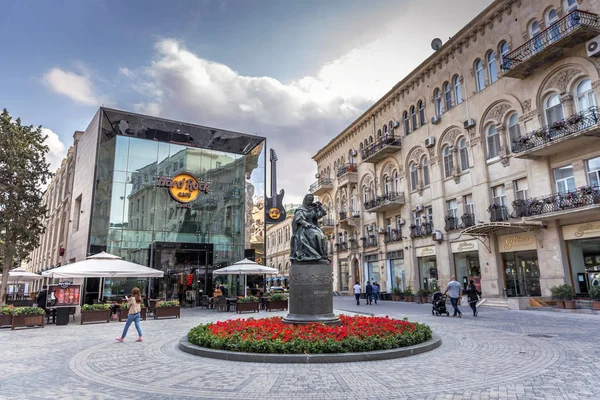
[23, 172]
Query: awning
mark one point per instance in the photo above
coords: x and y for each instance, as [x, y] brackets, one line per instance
[483, 231]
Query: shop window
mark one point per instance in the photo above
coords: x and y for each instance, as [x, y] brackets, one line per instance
[564, 179]
[593, 168]
[521, 189]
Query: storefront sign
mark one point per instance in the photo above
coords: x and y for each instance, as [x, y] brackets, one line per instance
[426, 251]
[183, 188]
[467, 245]
[579, 231]
[516, 242]
[63, 295]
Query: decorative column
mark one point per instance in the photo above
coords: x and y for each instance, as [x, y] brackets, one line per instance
[504, 149]
[567, 101]
[420, 181]
[455, 162]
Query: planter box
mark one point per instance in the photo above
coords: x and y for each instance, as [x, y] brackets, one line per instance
[425, 299]
[596, 304]
[28, 320]
[409, 298]
[560, 304]
[95, 316]
[5, 320]
[570, 304]
[276, 305]
[247, 307]
[124, 313]
[167, 312]
[396, 297]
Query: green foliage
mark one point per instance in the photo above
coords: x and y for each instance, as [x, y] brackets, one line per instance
[396, 290]
[594, 292]
[27, 311]
[95, 307]
[249, 299]
[278, 297]
[6, 310]
[408, 291]
[562, 292]
[167, 303]
[125, 306]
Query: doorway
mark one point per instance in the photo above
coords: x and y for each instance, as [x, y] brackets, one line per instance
[356, 271]
[522, 274]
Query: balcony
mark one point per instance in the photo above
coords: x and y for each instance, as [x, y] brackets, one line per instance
[574, 28]
[369, 241]
[349, 219]
[421, 229]
[498, 213]
[554, 206]
[578, 130]
[381, 149]
[342, 246]
[347, 174]
[327, 225]
[393, 236]
[386, 202]
[452, 223]
[321, 186]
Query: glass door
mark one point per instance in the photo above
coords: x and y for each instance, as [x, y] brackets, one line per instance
[522, 274]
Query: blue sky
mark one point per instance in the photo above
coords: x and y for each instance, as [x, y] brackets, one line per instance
[295, 71]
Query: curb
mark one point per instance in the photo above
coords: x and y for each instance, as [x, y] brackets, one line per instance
[432, 344]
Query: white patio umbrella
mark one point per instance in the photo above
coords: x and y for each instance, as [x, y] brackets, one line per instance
[246, 267]
[22, 275]
[103, 265]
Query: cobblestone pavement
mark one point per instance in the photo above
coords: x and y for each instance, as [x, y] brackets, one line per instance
[499, 355]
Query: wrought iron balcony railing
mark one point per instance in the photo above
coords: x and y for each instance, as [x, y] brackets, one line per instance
[421, 229]
[392, 197]
[343, 215]
[498, 213]
[572, 125]
[395, 235]
[584, 196]
[467, 220]
[451, 223]
[327, 223]
[343, 170]
[389, 140]
[320, 184]
[342, 246]
[352, 244]
[369, 241]
[560, 29]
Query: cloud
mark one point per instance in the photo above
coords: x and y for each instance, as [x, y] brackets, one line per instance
[57, 149]
[126, 72]
[77, 87]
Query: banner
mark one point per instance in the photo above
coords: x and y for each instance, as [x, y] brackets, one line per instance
[63, 295]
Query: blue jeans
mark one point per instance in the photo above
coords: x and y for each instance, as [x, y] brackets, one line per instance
[135, 318]
[455, 305]
[375, 297]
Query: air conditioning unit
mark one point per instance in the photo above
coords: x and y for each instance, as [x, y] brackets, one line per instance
[437, 236]
[430, 141]
[436, 120]
[593, 47]
[420, 207]
[395, 124]
[401, 221]
[469, 123]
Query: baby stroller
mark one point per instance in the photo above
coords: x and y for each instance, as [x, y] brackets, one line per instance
[439, 304]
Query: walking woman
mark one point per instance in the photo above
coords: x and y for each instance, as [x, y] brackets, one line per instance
[473, 296]
[134, 304]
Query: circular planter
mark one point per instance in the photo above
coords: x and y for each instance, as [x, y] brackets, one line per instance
[433, 343]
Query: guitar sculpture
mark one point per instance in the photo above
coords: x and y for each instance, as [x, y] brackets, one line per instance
[274, 204]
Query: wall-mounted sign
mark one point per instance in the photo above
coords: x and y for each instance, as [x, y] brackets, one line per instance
[579, 231]
[426, 251]
[467, 245]
[183, 188]
[516, 242]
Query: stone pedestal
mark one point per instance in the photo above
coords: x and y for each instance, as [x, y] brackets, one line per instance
[311, 294]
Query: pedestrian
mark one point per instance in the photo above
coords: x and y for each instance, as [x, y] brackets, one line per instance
[357, 293]
[473, 294]
[134, 304]
[369, 292]
[454, 290]
[42, 297]
[375, 292]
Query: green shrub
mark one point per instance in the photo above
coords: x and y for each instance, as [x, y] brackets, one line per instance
[408, 291]
[594, 292]
[28, 311]
[95, 307]
[6, 310]
[249, 299]
[278, 297]
[167, 303]
[562, 292]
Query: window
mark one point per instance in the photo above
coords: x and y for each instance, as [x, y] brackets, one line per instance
[570, 5]
[479, 75]
[492, 68]
[447, 96]
[457, 89]
[379, 135]
[370, 139]
[499, 195]
[521, 189]
[429, 214]
[421, 113]
[593, 170]
[77, 214]
[387, 185]
[396, 182]
[414, 177]
[365, 194]
[493, 142]
[406, 123]
[553, 27]
[452, 208]
[554, 109]
[514, 131]
[413, 117]
[464, 155]
[503, 50]
[425, 165]
[585, 95]
[565, 182]
[388, 225]
[438, 102]
[468, 205]
[448, 162]
[534, 32]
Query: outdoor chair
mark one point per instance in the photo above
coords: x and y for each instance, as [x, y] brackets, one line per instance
[204, 301]
[220, 304]
[72, 312]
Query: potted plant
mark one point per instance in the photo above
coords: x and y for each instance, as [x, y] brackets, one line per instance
[6, 316]
[277, 301]
[564, 296]
[408, 294]
[396, 294]
[246, 304]
[95, 313]
[167, 309]
[594, 293]
[27, 316]
[419, 295]
[124, 312]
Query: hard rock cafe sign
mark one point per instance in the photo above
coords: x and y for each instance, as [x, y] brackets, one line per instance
[183, 188]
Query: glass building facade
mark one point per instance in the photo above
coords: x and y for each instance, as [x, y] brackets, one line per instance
[137, 218]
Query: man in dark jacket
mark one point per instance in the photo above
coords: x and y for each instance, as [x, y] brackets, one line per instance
[369, 292]
[42, 296]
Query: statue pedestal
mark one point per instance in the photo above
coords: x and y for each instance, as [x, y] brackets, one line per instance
[311, 294]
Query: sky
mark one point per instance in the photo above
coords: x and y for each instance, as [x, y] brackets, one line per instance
[297, 71]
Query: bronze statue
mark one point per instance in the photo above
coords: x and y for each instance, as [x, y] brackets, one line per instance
[308, 240]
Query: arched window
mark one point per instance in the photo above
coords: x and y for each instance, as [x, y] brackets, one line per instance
[585, 95]
[387, 185]
[406, 123]
[390, 124]
[493, 142]
[554, 109]
[514, 131]
[503, 50]
[414, 177]
[372, 191]
[396, 182]
[479, 75]
[492, 68]
[365, 194]
[361, 146]
[448, 162]
[413, 117]
[570, 5]
[534, 33]
[421, 108]
[366, 143]
[447, 96]
[378, 135]
[438, 102]
[553, 27]
[457, 89]
[425, 165]
[385, 130]
[464, 155]
[370, 139]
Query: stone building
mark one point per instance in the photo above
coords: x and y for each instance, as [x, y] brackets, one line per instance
[278, 246]
[483, 162]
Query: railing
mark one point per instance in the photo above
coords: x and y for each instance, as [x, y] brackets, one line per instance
[369, 241]
[327, 222]
[342, 246]
[467, 220]
[584, 196]
[451, 223]
[343, 170]
[395, 235]
[421, 229]
[388, 197]
[498, 213]
[380, 144]
[549, 36]
[343, 215]
[563, 128]
[320, 183]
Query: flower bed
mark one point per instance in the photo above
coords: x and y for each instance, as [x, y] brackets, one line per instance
[271, 335]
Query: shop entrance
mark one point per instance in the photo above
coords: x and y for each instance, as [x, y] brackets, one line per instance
[522, 273]
[428, 273]
[466, 268]
[584, 256]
